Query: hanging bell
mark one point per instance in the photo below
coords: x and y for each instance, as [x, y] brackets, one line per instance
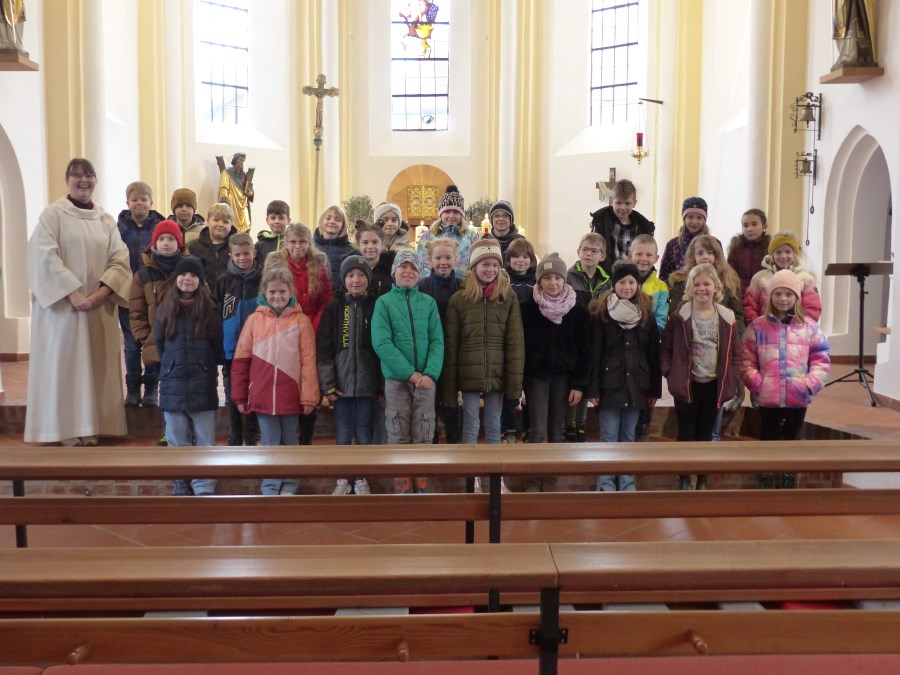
[807, 114]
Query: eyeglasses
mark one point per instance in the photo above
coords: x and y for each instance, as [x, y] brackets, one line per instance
[591, 250]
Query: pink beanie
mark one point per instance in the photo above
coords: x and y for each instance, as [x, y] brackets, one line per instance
[785, 279]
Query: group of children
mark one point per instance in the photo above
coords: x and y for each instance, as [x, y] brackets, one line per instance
[394, 337]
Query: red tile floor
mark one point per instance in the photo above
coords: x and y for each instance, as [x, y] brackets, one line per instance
[844, 406]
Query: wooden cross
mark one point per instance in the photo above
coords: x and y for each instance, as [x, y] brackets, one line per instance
[320, 92]
[606, 188]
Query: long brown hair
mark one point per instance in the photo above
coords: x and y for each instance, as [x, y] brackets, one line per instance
[202, 311]
[730, 280]
[315, 259]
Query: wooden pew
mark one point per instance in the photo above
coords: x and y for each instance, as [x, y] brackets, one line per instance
[257, 579]
[691, 572]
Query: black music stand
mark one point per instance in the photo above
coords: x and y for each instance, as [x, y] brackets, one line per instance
[860, 271]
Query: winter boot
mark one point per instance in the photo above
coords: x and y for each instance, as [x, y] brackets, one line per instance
[580, 434]
[685, 482]
[307, 428]
[789, 481]
[132, 390]
[701, 481]
[151, 392]
[767, 481]
[569, 435]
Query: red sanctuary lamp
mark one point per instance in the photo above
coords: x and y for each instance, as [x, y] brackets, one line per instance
[639, 150]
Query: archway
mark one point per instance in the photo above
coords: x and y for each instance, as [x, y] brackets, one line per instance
[423, 175]
[857, 229]
[14, 295]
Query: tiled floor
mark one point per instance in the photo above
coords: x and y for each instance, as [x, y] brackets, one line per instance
[843, 406]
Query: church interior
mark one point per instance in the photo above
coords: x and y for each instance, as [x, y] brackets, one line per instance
[746, 103]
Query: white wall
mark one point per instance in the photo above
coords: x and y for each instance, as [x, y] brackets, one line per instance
[724, 89]
[23, 182]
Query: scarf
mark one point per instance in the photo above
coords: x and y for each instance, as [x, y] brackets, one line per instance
[236, 271]
[166, 263]
[488, 290]
[623, 312]
[556, 308]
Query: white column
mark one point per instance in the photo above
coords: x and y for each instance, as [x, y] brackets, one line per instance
[331, 149]
[506, 183]
[758, 102]
[175, 66]
[665, 132]
[93, 93]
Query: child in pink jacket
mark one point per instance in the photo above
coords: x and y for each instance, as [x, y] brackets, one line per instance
[786, 362]
[784, 254]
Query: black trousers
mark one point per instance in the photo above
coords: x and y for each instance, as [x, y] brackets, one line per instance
[697, 418]
[781, 424]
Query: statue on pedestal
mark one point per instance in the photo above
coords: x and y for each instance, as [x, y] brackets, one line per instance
[853, 30]
[12, 24]
[236, 188]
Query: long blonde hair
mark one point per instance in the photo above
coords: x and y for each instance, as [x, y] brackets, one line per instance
[728, 278]
[473, 289]
[315, 259]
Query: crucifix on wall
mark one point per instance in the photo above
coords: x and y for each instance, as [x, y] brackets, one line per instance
[606, 188]
[320, 92]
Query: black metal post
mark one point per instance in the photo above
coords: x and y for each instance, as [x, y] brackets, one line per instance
[21, 530]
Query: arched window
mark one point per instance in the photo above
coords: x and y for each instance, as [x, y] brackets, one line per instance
[615, 29]
[420, 65]
[222, 60]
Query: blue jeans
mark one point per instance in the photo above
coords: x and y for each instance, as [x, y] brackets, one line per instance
[200, 423]
[617, 424]
[493, 405]
[133, 367]
[278, 430]
[353, 416]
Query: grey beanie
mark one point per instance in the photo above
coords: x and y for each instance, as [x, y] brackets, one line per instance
[356, 262]
[407, 255]
[387, 207]
[551, 264]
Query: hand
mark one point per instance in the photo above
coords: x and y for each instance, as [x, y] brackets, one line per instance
[98, 297]
[574, 397]
[651, 402]
[80, 301]
[242, 408]
[334, 396]
[307, 409]
[595, 402]
[424, 382]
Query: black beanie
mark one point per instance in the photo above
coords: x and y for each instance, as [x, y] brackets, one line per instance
[192, 264]
[626, 270]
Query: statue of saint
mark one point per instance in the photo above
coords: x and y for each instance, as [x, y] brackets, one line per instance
[12, 23]
[853, 30]
[236, 188]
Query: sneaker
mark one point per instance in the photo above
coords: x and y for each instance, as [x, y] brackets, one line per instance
[90, 441]
[361, 487]
[581, 435]
[509, 437]
[133, 397]
[75, 441]
[422, 485]
[342, 487]
[642, 433]
[163, 441]
[403, 486]
[181, 488]
[503, 489]
[477, 488]
[766, 481]
[569, 435]
[789, 481]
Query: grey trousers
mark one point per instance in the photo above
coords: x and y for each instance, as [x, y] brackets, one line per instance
[408, 413]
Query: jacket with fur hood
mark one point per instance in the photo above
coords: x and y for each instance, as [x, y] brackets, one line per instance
[146, 291]
[757, 296]
[274, 366]
[675, 358]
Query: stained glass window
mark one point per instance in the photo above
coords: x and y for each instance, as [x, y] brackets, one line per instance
[420, 65]
[615, 26]
[222, 60]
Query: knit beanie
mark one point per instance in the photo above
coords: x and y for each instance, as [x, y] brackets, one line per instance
[784, 239]
[184, 196]
[551, 264]
[785, 279]
[485, 249]
[407, 255]
[452, 201]
[356, 262]
[192, 264]
[626, 270]
[386, 207]
[167, 227]
[694, 205]
[504, 207]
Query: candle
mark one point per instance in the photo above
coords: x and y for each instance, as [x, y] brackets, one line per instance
[486, 225]
[640, 139]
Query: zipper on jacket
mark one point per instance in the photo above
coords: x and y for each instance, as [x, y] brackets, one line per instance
[276, 361]
[484, 354]
[412, 328]
[690, 360]
[725, 369]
